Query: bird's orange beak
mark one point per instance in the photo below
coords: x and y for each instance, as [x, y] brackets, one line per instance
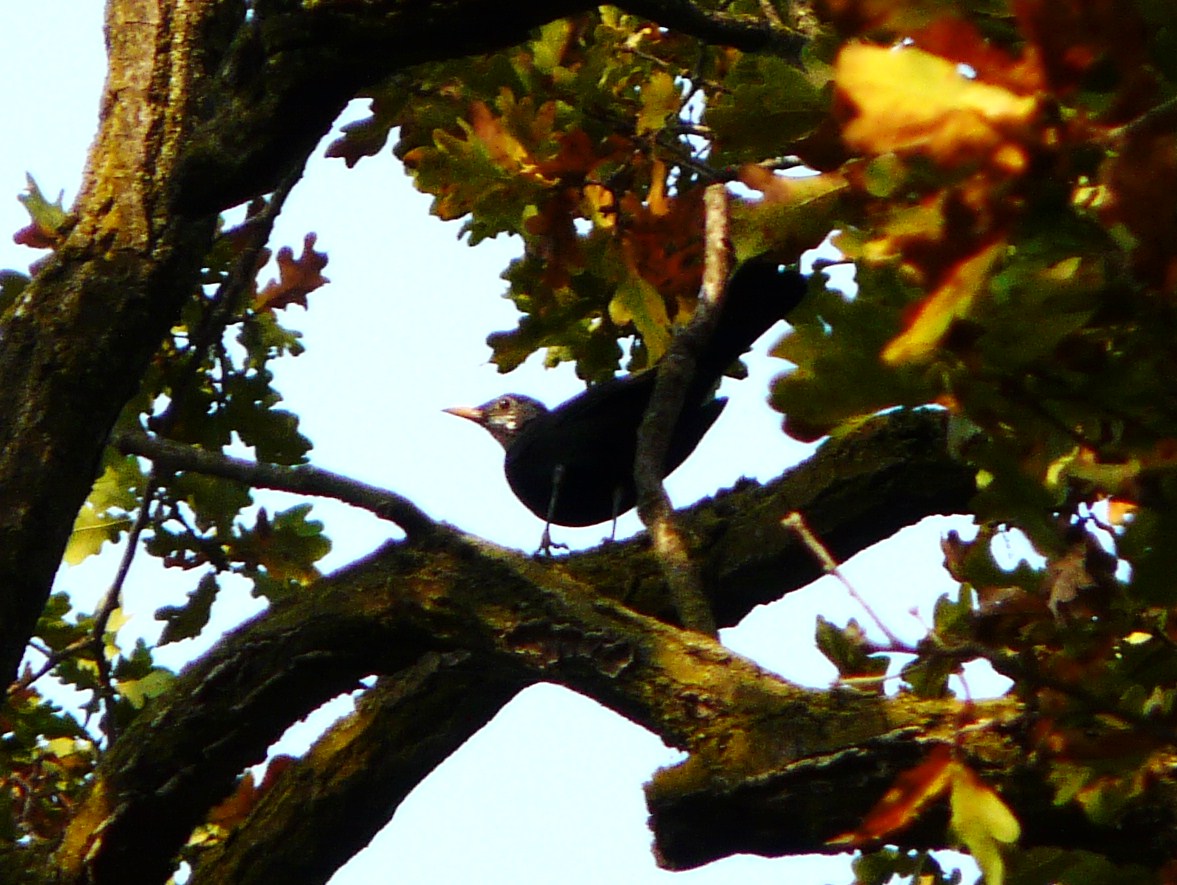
[470, 413]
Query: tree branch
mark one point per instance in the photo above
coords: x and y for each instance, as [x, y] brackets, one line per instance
[522, 620]
[857, 490]
[328, 805]
[302, 479]
[748, 732]
[675, 371]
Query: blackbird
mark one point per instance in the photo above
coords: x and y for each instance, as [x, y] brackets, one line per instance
[573, 465]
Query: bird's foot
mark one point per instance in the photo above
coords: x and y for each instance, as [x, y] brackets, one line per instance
[547, 545]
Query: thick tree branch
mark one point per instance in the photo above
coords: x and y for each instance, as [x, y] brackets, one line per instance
[79, 337]
[799, 808]
[521, 620]
[378, 617]
[517, 616]
[332, 802]
[292, 68]
[856, 491]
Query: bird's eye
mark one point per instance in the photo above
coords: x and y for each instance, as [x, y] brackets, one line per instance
[504, 404]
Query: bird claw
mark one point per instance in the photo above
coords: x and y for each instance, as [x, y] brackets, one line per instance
[547, 545]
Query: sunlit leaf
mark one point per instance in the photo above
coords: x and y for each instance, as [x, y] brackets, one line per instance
[951, 301]
[47, 220]
[982, 821]
[908, 99]
[906, 799]
[660, 99]
[636, 301]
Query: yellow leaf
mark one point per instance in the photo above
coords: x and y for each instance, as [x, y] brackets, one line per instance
[64, 746]
[795, 214]
[549, 47]
[907, 99]
[638, 302]
[91, 531]
[982, 821]
[656, 199]
[659, 99]
[949, 302]
[599, 205]
[503, 148]
[139, 691]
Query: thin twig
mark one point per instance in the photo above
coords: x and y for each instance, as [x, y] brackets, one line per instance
[796, 522]
[1159, 119]
[52, 659]
[224, 303]
[773, 17]
[302, 479]
[675, 371]
[207, 336]
[112, 600]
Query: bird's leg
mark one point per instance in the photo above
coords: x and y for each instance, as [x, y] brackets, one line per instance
[545, 542]
[618, 491]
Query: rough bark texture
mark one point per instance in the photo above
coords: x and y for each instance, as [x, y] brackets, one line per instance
[337, 798]
[79, 337]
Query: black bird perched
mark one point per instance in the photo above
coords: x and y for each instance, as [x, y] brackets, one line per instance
[573, 465]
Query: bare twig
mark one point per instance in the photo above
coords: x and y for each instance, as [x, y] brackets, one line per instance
[303, 479]
[1159, 119]
[225, 302]
[674, 375]
[796, 522]
[773, 17]
[111, 601]
[52, 659]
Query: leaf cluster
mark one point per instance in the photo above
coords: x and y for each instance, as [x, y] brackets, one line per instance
[210, 386]
[592, 143]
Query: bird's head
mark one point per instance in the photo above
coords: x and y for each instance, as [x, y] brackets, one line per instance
[504, 417]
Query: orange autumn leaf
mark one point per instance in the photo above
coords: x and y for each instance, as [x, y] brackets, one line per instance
[503, 147]
[910, 100]
[657, 199]
[960, 41]
[911, 793]
[1120, 510]
[237, 806]
[949, 302]
[793, 190]
[599, 205]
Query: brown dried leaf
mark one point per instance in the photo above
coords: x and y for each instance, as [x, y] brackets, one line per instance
[298, 277]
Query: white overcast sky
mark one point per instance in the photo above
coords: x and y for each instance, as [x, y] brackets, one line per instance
[550, 791]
